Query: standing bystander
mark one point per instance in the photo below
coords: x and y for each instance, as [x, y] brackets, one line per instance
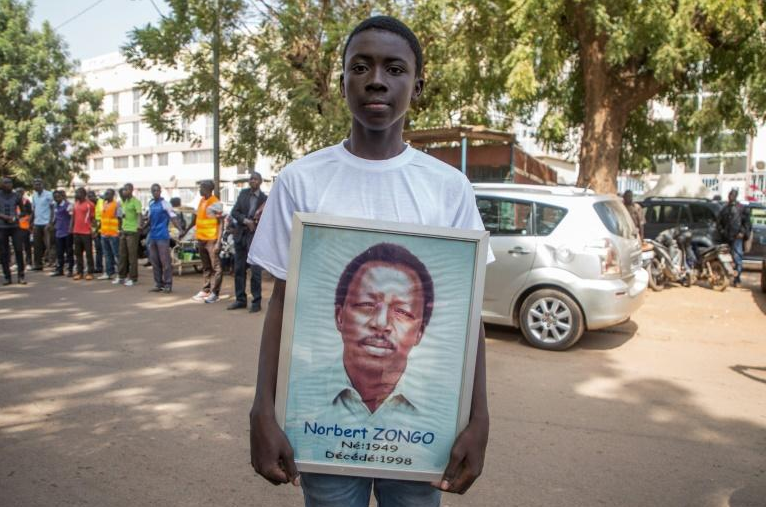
[25, 221]
[62, 218]
[208, 222]
[111, 214]
[734, 227]
[98, 204]
[10, 213]
[247, 211]
[129, 237]
[42, 204]
[81, 228]
[160, 214]
[636, 212]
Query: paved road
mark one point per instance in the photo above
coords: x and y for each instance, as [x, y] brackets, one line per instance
[110, 396]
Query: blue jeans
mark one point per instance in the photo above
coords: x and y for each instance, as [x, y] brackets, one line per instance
[322, 490]
[111, 246]
[737, 251]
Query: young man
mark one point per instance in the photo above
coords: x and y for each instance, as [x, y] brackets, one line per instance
[81, 228]
[111, 215]
[42, 220]
[247, 212]
[61, 219]
[160, 214]
[98, 204]
[10, 213]
[129, 237]
[209, 230]
[372, 175]
[734, 227]
[636, 212]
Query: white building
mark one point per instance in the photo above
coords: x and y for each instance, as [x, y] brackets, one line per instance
[146, 157]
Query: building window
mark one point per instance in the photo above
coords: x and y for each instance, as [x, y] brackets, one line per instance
[136, 160]
[185, 129]
[116, 103]
[98, 164]
[135, 133]
[136, 101]
[208, 127]
[162, 159]
[121, 162]
[198, 157]
[148, 160]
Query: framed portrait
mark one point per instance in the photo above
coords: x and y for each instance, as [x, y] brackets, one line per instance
[379, 338]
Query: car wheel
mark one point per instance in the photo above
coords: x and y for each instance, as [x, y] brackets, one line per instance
[719, 280]
[656, 276]
[551, 320]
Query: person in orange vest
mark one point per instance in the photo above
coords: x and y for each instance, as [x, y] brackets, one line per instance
[25, 226]
[111, 216]
[208, 222]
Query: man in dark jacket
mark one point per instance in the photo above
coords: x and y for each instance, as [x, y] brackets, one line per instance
[246, 213]
[10, 214]
[734, 227]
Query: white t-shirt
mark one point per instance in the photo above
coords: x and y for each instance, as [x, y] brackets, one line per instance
[410, 188]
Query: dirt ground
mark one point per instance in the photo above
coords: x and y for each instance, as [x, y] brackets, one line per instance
[110, 396]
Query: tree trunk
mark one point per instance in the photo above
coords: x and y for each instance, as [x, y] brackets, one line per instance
[605, 121]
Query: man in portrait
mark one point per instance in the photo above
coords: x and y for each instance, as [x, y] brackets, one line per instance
[383, 303]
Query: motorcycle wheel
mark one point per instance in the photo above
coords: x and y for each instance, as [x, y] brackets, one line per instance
[718, 278]
[656, 276]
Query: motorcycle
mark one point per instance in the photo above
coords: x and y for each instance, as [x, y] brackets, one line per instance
[710, 262]
[668, 263]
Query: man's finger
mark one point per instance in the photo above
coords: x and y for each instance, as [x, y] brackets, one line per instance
[455, 459]
[288, 462]
[274, 474]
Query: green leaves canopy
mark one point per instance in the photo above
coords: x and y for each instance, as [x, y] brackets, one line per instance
[49, 123]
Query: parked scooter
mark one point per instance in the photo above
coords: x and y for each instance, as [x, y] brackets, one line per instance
[668, 265]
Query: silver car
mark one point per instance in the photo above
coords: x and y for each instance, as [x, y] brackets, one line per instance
[567, 260]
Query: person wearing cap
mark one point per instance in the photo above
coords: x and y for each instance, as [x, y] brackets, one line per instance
[734, 228]
[246, 212]
[207, 219]
[10, 213]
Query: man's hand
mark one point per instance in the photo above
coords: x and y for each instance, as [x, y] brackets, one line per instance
[466, 459]
[250, 224]
[270, 453]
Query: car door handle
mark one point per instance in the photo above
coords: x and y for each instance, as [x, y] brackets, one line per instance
[519, 250]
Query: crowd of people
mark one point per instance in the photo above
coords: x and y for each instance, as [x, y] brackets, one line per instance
[100, 236]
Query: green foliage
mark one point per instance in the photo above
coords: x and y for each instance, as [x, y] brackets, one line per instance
[647, 50]
[281, 66]
[49, 123]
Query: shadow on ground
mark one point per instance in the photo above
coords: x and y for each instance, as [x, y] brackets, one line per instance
[120, 398]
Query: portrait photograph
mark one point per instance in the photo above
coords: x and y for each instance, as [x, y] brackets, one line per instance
[379, 344]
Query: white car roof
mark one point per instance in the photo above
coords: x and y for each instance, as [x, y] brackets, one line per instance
[559, 194]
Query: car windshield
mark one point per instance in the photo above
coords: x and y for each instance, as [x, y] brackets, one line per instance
[615, 218]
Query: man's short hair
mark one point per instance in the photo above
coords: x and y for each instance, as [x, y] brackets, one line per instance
[207, 184]
[175, 202]
[393, 25]
[390, 254]
[256, 174]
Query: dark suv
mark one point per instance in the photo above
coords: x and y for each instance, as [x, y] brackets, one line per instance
[662, 213]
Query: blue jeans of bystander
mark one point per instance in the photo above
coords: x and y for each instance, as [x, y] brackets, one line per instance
[111, 246]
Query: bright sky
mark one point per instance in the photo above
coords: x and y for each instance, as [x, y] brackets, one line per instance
[102, 28]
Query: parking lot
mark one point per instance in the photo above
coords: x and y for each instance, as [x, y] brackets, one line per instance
[113, 396]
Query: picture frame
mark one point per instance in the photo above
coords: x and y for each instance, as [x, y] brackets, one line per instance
[378, 348]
